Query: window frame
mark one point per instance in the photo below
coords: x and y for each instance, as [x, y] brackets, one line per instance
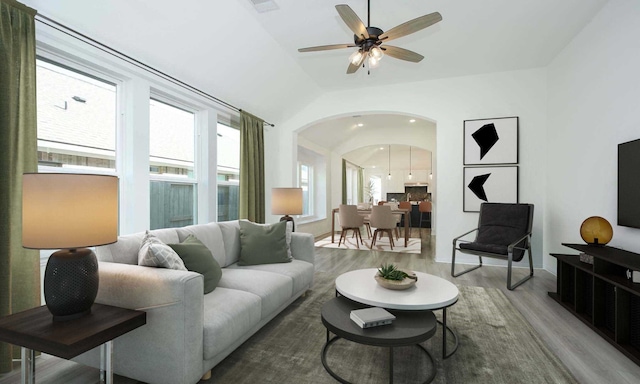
[95, 71]
[310, 186]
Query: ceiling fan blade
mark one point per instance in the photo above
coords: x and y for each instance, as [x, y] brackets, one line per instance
[411, 26]
[401, 53]
[326, 47]
[354, 67]
[352, 20]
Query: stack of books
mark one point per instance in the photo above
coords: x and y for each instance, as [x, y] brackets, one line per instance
[371, 317]
[586, 258]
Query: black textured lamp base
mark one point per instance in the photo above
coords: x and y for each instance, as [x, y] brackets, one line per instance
[71, 283]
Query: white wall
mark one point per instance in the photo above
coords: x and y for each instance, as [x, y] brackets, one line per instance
[448, 102]
[592, 107]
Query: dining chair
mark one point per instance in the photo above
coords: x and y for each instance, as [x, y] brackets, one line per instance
[425, 208]
[350, 220]
[407, 216]
[394, 207]
[383, 220]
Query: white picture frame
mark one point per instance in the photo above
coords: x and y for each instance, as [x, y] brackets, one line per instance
[491, 141]
[500, 186]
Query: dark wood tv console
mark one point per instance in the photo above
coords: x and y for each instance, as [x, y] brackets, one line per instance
[601, 295]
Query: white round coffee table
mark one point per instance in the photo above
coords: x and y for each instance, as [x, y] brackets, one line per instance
[429, 293]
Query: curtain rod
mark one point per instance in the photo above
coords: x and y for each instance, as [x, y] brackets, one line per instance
[114, 52]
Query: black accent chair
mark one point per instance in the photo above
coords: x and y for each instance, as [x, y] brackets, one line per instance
[504, 232]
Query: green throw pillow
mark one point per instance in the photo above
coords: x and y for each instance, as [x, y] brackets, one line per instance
[198, 258]
[263, 244]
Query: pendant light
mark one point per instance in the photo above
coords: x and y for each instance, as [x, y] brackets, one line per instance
[410, 175]
[389, 175]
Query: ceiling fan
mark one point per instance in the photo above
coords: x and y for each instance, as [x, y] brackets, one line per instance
[369, 40]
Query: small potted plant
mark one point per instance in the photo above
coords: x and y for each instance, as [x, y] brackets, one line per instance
[391, 277]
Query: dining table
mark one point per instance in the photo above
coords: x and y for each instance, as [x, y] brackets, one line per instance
[398, 211]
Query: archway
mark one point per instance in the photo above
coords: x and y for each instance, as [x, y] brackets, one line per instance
[360, 138]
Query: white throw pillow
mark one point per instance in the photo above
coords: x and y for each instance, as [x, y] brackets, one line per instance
[154, 253]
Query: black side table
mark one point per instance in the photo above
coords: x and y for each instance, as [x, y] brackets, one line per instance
[35, 330]
[409, 328]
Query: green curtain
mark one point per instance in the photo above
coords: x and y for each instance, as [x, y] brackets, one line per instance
[19, 267]
[252, 204]
[361, 185]
[344, 181]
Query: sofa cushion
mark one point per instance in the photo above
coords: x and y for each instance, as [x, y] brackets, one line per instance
[228, 315]
[263, 244]
[210, 235]
[198, 258]
[231, 235]
[301, 272]
[273, 289]
[154, 253]
[125, 250]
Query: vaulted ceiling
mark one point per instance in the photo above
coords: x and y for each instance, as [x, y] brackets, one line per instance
[250, 59]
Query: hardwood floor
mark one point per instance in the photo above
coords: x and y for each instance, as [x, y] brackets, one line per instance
[589, 357]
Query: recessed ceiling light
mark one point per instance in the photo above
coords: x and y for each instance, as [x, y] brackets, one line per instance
[360, 124]
[412, 120]
[373, 166]
[381, 148]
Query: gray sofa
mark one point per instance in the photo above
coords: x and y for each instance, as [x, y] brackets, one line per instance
[188, 333]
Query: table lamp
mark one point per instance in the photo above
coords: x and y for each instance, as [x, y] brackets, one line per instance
[596, 230]
[69, 212]
[286, 201]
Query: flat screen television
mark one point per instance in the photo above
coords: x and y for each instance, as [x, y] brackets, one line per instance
[629, 184]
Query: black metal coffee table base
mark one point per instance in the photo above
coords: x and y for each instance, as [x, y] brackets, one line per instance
[340, 379]
[408, 329]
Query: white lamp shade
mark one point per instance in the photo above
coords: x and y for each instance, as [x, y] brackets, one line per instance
[286, 201]
[68, 210]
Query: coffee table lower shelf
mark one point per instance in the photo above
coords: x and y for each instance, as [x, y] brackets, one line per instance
[408, 329]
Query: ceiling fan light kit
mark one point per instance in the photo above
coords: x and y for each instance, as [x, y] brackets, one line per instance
[369, 39]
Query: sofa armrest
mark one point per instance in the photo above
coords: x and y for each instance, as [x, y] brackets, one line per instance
[169, 347]
[302, 247]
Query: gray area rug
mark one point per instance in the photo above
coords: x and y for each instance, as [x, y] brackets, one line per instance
[497, 345]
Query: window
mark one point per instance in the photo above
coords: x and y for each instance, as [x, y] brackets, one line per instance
[171, 165]
[312, 178]
[353, 181]
[77, 119]
[305, 181]
[375, 185]
[228, 172]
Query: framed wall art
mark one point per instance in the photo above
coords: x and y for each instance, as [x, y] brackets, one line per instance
[491, 141]
[489, 184]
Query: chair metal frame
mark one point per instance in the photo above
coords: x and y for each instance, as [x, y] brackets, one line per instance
[508, 257]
